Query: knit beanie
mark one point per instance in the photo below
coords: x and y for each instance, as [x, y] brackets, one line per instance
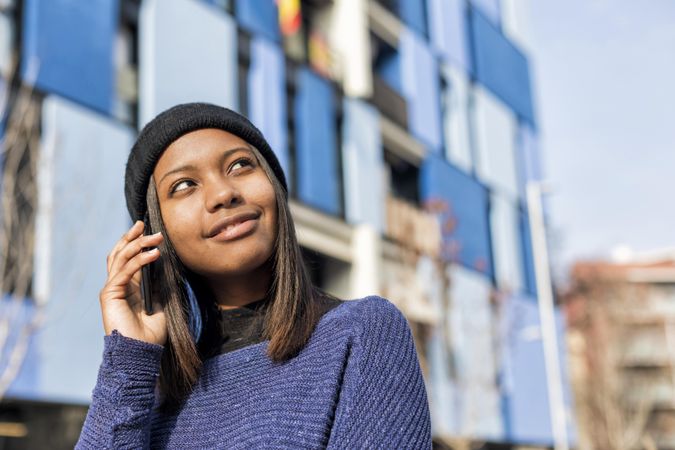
[171, 124]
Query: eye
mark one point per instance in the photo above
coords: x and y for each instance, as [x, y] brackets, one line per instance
[181, 185]
[241, 162]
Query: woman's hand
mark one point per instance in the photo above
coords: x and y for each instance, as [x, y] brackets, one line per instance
[121, 300]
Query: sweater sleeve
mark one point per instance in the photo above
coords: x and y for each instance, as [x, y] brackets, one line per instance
[383, 401]
[122, 400]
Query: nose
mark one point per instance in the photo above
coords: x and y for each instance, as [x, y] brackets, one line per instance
[220, 192]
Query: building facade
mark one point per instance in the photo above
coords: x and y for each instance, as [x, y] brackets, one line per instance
[407, 130]
[621, 319]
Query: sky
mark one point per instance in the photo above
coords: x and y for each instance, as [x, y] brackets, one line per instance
[604, 79]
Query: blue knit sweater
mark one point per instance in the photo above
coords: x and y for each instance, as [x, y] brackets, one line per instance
[356, 384]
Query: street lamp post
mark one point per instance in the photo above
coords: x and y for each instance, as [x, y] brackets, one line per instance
[546, 315]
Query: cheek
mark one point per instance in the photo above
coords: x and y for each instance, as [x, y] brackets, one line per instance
[273, 218]
[180, 224]
[260, 192]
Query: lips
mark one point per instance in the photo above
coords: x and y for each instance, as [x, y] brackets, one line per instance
[230, 223]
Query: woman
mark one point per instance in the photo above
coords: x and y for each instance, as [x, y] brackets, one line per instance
[246, 351]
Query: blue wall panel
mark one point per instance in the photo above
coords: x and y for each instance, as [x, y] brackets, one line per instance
[21, 315]
[315, 134]
[449, 31]
[196, 64]
[413, 14]
[528, 157]
[68, 49]
[501, 66]
[528, 257]
[524, 374]
[267, 97]
[489, 8]
[420, 78]
[465, 223]
[259, 17]
[75, 230]
[388, 66]
[362, 161]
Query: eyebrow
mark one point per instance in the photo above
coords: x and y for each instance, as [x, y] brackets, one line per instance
[189, 167]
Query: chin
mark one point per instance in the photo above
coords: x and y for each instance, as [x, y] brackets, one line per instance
[231, 264]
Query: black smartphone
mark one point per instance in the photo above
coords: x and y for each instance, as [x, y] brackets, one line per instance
[146, 277]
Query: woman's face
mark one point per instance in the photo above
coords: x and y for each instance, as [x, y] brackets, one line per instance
[218, 206]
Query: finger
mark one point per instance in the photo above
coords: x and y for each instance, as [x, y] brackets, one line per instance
[122, 277]
[133, 248]
[135, 230]
[134, 265]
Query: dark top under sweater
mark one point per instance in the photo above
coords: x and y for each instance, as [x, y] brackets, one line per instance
[242, 326]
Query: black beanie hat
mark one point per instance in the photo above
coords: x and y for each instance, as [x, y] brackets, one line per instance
[168, 126]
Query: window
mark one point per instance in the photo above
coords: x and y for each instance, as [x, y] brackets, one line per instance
[403, 177]
[330, 274]
[125, 107]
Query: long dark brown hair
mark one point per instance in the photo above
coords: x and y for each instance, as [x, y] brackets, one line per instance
[289, 320]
